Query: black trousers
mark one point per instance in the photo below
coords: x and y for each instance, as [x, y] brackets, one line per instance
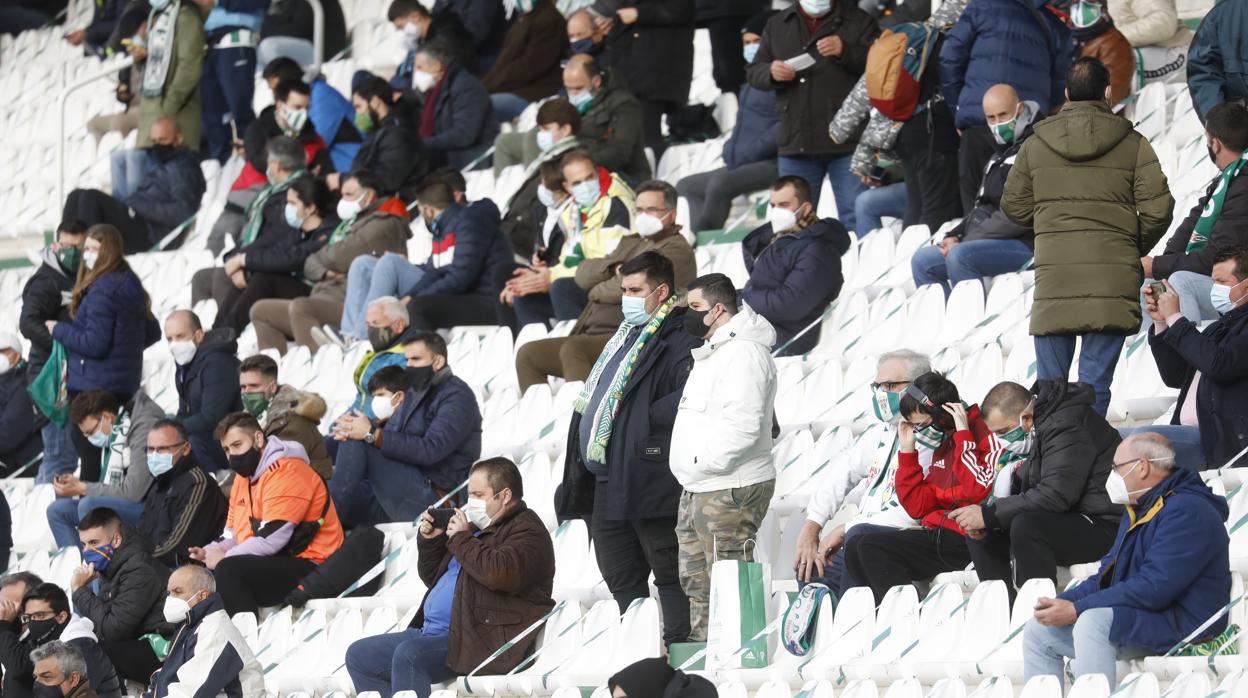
[975, 150]
[1037, 542]
[628, 551]
[652, 123]
[928, 147]
[443, 310]
[247, 582]
[92, 206]
[236, 313]
[885, 559]
[728, 62]
[134, 660]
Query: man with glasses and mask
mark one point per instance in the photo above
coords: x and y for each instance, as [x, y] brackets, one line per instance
[209, 655]
[1055, 509]
[727, 480]
[184, 507]
[616, 471]
[1167, 573]
[393, 468]
[43, 616]
[864, 476]
[281, 523]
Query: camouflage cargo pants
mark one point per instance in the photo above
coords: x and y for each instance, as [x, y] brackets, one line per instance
[713, 526]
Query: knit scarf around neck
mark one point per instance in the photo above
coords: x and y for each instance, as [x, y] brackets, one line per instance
[255, 209]
[1213, 208]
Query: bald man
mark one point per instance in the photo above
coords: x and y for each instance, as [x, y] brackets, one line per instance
[206, 379]
[209, 655]
[163, 192]
[1166, 574]
[985, 243]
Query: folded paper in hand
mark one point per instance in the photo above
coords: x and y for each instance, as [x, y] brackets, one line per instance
[801, 61]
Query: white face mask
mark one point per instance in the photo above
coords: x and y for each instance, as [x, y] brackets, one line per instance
[816, 8]
[89, 257]
[648, 225]
[383, 407]
[475, 511]
[348, 209]
[183, 352]
[1116, 485]
[422, 80]
[782, 219]
[176, 610]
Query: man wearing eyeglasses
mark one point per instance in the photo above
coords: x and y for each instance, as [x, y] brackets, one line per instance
[184, 507]
[865, 476]
[41, 618]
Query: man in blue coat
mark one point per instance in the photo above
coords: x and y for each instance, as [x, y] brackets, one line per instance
[794, 262]
[425, 437]
[457, 118]
[206, 381]
[1217, 62]
[1017, 42]
[1167, 573]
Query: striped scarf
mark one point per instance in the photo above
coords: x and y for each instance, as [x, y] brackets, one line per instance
[604, 417]
[255, 209]
[1213, 208]
[341, 231]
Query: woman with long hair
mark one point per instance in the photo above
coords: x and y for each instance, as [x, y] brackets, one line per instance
[110, 325]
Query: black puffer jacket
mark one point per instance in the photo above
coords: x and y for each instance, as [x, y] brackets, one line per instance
[987, 221]
[20, 421]
[183, 508]
[655, 53]
[805, 105]
[44, 298]
[289, 249]
[208, 385]
[393, 152]
[132, 593]
[1230, 231]
[1069, 462]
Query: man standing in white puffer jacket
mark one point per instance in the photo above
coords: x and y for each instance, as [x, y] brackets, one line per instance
[722, 439]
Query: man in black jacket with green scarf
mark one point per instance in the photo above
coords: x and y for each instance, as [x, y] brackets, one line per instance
[617, 471]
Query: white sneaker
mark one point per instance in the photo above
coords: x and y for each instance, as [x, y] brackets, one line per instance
[319, 337]
[333, 336]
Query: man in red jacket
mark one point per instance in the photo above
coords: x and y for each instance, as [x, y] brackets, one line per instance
[965, 461]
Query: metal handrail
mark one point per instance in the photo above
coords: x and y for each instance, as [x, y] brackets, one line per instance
[318, 34]
[62, 100]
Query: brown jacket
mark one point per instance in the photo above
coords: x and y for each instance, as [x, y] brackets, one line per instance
[374, 233]
[529, 62]
[1113, 49]
[505, 581]
[597, 276]
[294, 415]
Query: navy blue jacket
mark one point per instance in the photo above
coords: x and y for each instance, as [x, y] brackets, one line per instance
[474, 237]
[20, 421]
[169, 194]
[1220, 353]
[108, 334]
[794, 278]
[640, 484]
[754, 135]
[1169, 568]
[484, 20]
[208, 385]
[999, 41]
[223, 678]
[1217, 62]
[437, 430]
[464, 123]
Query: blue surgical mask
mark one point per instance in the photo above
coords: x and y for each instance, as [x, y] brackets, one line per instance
[292, 216]
[581, 100]
[546, 196]
[545, 140]
[99, 439]
[159, 463]
[634, 308]
[159, 5]
[586, 193]
[816, 8]
[751, 50]
[1220, 297]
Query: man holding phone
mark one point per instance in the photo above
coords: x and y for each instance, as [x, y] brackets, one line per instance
[490, 569]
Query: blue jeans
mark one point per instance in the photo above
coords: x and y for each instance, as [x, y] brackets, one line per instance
[1186, 442]
[59, 456]
[64, 514]
[1097, 359]
[836, 576]
[845, 186]
[1087, 642]
[873, 204]
[129, 167]
[228, 84]
[368, 487]
[508, 106]
[967, 260]
[298, 50]
[402, 661]
[370, 278]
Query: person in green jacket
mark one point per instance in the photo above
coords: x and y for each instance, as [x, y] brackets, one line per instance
[1092, 189]
[170, 61]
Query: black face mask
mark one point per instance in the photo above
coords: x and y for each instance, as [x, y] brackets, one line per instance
[245, 463]
[380, 337]
[1212, 158]
[164, 153]
[586, 46]
[694, 324]
[44, 631]
[43, 691]
[418, 377]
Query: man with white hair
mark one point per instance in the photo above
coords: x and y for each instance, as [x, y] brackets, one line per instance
[209, 655]
[20, 423]
[57, 664]
[1167, 573]
[865, 476]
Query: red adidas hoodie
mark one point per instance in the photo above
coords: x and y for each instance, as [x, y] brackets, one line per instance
[962, 472]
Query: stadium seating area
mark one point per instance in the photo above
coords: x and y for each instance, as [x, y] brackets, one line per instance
[960, 640]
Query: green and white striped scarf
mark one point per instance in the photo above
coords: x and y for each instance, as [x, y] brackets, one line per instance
[1213, 208]
[255, 209]
[604, 417]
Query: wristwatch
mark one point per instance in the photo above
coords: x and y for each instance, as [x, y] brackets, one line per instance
[369, 438]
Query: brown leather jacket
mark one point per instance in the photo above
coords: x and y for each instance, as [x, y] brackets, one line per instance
[505, 581]
[602, 315]
[1113, 49]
